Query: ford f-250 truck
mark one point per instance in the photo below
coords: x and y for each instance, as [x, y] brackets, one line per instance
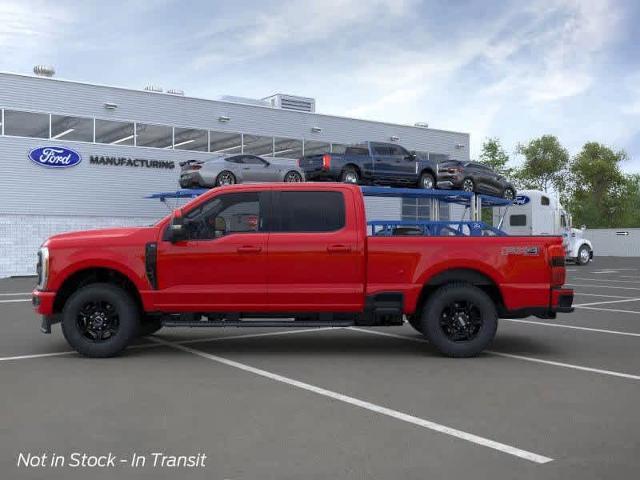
[373, 163]
[291, 255]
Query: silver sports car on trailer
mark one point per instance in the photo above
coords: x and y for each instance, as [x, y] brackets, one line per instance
[227, 170]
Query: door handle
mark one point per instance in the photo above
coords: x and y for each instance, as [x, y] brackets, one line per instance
[338, 248]
[249, 249]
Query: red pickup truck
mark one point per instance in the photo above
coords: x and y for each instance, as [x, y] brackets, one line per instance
[290, 255]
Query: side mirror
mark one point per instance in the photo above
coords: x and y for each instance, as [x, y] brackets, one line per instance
[177, 230]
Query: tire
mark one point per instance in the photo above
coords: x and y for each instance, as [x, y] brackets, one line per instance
[293, 177]
[584, 255]
[149, 326]
[415, 321]
[114, 318]
[509, 194]
[225, 178]
[468, 185]
[350, 175]
[427, 181]
[451, 337]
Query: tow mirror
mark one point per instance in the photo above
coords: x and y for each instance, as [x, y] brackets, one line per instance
[177, 230]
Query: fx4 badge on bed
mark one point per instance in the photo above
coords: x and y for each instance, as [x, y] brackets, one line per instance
[526, 251]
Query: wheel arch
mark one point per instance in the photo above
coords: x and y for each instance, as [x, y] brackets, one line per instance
[89, 275]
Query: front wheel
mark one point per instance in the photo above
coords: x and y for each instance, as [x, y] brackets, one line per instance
[427, 181]
[584, 255]
[468, 185]
[293, 177]
[225, 178]
[99, 320]
[460, 320]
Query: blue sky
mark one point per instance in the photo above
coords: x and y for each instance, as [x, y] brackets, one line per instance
[514, 70]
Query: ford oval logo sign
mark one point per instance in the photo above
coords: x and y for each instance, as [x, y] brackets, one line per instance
[55, 157]
[521, 200]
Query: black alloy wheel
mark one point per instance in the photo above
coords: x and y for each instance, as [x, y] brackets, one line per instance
[98, 321]
[461, 321]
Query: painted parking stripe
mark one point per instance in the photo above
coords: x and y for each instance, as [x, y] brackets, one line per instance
[421, 422]
[179, 342]
[509, 355]
[16, 300]
[600, 295]
[14, 294]
[608, 301]
[606, 280]
[602, 286]
[572, 327]
[617, 310]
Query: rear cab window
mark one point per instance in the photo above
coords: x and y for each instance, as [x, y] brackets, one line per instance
[309, 212]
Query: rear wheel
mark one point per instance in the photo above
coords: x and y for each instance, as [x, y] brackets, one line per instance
[100, 320]
[584, 255]
[225, 178]
[427, 181]
[460, 320]
[293, 177]
[508, 193]
[468, 185]
[350, 175]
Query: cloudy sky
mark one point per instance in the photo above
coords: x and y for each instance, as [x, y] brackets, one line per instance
[514, 70]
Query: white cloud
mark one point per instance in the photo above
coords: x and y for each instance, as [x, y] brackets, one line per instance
[27, 25]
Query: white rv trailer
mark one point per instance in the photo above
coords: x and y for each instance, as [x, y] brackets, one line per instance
[535, 212]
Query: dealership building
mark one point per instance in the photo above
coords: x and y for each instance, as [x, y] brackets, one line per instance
[118, 145]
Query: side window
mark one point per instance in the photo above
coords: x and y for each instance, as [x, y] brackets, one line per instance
[224, 215]
[544, 200]
[381, 150]
[563, 220]
[310, 212]
[236, 159]
[518, 220]
[397, 150]
[251, 160]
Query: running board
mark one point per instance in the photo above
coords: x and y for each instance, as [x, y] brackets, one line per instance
[259, 323]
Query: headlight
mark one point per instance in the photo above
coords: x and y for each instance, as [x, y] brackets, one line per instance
[42, 268]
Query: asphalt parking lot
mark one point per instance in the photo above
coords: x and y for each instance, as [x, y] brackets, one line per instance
[552, 399]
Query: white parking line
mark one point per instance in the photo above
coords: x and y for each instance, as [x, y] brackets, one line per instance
[16, 300]
[421, 422]
[600, 295]
[572, 327]
[608, 301]
[611, 310]
[14, 294]
[602, 286]
[606, 280]
[509, 355]
[179, 342]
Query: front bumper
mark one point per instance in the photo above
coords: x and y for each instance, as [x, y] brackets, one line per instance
[43, 304]
[449, 182]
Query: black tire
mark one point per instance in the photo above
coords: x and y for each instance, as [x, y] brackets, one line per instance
[350, 175]
[293, 177]
[113, 306]
[468, 185]
[427, 181]
[584, 255]
[415, 321]
[225, 178]
[149, 326]
[459, 337]
[509, 194]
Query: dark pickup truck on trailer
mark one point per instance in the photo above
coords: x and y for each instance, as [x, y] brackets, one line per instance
[373, 163]
[299, 254]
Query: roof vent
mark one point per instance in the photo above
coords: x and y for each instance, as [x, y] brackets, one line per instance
[421, 124]
[175, 91]
[292, 102]
[153, 88]
[44, 70]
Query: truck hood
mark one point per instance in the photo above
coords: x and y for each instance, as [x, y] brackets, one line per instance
[102, 235]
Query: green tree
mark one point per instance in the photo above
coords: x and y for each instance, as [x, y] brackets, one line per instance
[494, 156]
[601, 195]
[545, 164]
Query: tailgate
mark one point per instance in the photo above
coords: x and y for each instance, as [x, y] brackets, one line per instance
[311, 163]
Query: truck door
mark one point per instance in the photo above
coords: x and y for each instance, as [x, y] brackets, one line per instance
[221, 266]
[316, 256]
[382, 162]
[403, 165]
[255, 169]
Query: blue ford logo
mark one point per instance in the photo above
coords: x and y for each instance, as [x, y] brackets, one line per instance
[521, 200]
[55, 157]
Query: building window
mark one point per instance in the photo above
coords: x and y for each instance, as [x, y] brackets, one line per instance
[416, 209]
[287, 148]
[157, 136]
[257, 145]
[225, 142]
[190, 139]
[338, 148]
[71, 128]
[312, 147]
[26, 124]
[114, 133]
